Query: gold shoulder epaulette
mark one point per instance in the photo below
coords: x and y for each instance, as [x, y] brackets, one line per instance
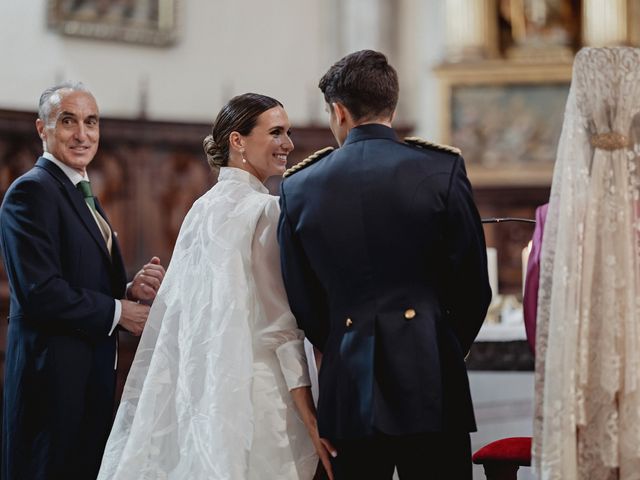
[308, 161]
[421, 142]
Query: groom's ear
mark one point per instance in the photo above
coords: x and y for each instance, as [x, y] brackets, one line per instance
[339, 111]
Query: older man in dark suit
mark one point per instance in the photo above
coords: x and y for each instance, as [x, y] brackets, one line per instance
[67, 287]
[384, 262]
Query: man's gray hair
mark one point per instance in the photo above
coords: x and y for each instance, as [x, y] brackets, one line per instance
[51, 97]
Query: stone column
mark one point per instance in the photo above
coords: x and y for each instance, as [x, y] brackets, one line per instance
[604, 22]
[348, 26]
[471, 29]
[367, 24]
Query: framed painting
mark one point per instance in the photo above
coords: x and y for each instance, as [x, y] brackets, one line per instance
[152, 22]
[506, 117]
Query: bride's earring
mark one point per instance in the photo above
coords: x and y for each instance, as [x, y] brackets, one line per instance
[244, 160]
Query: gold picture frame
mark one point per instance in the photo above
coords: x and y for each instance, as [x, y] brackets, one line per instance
[151, 22]
[506, 116]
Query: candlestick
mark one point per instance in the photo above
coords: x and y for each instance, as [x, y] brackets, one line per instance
[525, 260]
[492, 267]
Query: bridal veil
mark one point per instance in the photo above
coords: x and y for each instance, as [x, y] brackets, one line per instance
[587, 418]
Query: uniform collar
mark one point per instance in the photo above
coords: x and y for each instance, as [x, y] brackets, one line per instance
[239, 175]
[369, 131]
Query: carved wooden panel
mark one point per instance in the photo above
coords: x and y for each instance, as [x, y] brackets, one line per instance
[147, 175]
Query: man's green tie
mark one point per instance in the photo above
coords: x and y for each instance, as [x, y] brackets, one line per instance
[85, 188]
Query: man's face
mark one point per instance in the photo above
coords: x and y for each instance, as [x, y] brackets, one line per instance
[72, 131]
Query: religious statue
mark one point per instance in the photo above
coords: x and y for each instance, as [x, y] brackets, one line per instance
[540, 27]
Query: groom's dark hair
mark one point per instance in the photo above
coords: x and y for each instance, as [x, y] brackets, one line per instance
[364, 82]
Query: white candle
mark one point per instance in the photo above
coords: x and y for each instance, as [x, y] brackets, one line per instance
[492, 267]
[525, 260]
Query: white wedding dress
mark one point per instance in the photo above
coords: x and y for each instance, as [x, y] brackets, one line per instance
[208, 396]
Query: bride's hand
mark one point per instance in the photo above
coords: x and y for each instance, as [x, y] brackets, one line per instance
[304, 403]
[324, 449]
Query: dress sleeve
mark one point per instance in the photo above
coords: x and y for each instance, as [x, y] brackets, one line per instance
[276, 329]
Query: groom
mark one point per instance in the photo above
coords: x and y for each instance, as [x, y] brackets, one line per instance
[384, 262]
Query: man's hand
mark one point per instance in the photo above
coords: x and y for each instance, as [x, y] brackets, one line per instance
[147, 281]
[133, 317]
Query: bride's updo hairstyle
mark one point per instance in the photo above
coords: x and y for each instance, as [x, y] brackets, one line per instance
[240, 115]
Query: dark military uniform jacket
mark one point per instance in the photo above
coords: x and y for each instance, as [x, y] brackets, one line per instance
[384, 262]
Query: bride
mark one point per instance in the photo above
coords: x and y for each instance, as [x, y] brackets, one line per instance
[219, 387]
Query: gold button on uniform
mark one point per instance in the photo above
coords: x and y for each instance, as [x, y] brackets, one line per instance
[349, 322]
[409, 313]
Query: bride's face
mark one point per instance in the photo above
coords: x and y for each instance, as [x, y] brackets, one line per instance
[268, 145]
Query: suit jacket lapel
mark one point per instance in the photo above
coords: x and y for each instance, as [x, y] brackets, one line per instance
[116, 253]
[117, 262]
[77, 201]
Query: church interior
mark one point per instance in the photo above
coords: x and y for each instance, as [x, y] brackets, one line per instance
[490, 77]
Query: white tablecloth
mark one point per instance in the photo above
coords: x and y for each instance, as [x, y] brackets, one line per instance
[501, 333]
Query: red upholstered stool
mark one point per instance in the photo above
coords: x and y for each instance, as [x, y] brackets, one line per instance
[502, 458]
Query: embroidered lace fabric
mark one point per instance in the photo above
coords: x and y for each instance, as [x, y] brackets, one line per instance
[208, 396]
[587, 412]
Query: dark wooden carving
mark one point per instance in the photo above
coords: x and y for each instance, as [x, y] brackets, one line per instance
[147, 174]
[512, 355]
[510, 237]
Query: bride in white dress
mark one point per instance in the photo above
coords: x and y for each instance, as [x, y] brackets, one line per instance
[219, 387]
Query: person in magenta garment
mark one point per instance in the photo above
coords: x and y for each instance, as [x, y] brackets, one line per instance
[532, 279]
